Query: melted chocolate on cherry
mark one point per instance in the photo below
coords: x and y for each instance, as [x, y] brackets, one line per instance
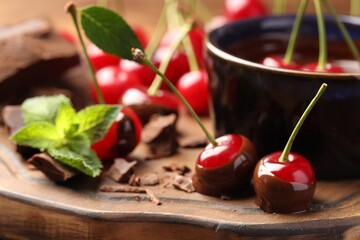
[225, 169]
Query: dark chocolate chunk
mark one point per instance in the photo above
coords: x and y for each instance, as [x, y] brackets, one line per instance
[34, 56]
[181, 170]
[183, 183]
[146, 110]
[121, 170]
[160, 134]
[52, 168]
[122, 188]
[149, 179]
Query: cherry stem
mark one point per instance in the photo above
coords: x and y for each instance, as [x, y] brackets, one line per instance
[156, 83]
[354, 50]
[294, 32]
[171, 13]
[279, 7]
[322, 36]
[200, 8]
[285, 154]
[156, 36]
[188, 46]
[355, 7]
[71, 8]
[139, 56]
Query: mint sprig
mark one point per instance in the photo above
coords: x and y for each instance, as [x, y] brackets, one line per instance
[53, 126]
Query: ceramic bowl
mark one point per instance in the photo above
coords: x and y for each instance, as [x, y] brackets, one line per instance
[264, 103]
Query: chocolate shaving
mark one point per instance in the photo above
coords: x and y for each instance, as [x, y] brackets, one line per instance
[160, 134]
[121, 170]
[51, 168]
[128, 189]
[152, 197]
[181, 170]
[121, 188]
[183, 183]
[134, 180]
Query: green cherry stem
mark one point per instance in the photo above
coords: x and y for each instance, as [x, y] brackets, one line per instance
[355, 7]
[294, 32]
[279, 7]
[197, 6]
[139, 56]
[322, 36]
[188, 46]
[71, 8]
[156, 36]
[354, 50]
[285, 154]
[156, 83]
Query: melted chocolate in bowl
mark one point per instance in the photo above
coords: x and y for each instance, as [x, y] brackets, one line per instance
[265, 103]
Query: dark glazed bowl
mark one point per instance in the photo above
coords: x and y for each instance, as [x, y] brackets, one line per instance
[265, 103]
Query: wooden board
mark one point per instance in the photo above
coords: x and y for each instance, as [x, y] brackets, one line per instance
[32, 207]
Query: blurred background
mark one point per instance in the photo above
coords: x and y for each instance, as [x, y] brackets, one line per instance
[139, 12]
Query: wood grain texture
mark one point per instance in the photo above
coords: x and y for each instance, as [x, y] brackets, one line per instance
[32, 207]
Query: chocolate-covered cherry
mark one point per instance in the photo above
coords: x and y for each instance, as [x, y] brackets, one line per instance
[284, 182]
[225, 169]
[121, 138]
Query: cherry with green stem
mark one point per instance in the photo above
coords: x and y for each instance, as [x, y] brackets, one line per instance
[322, 64]
[355, 8]
[284, 182]
[287, 61]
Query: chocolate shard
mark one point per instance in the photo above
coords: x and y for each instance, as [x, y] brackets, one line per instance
[161, 136]
[54, 170]
[183, 183]
[13, 121]
[121, 170]
[12, 117]
[149, 179]
[181, 170]
[146, 110]
[33, 55]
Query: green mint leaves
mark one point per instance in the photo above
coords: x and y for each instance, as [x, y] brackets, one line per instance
[52, 125]
[109, 31]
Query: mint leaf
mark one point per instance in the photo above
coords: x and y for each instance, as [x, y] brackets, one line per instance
[41, 135]
[42, 109]
[65, 120]
[85, 160]
[109, 31]
[96, 120]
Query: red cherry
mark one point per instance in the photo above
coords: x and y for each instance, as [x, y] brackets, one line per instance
[284, 187]
[122, 137]
[177, 67]
[329, 68]
[196, 35]
[138, 95]
[141, 35]
[99, 58]
[113, 83]
[240, 9]
[193, 86]
[278, 62]
[68, 36]
[226, 168]
[144, 73]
